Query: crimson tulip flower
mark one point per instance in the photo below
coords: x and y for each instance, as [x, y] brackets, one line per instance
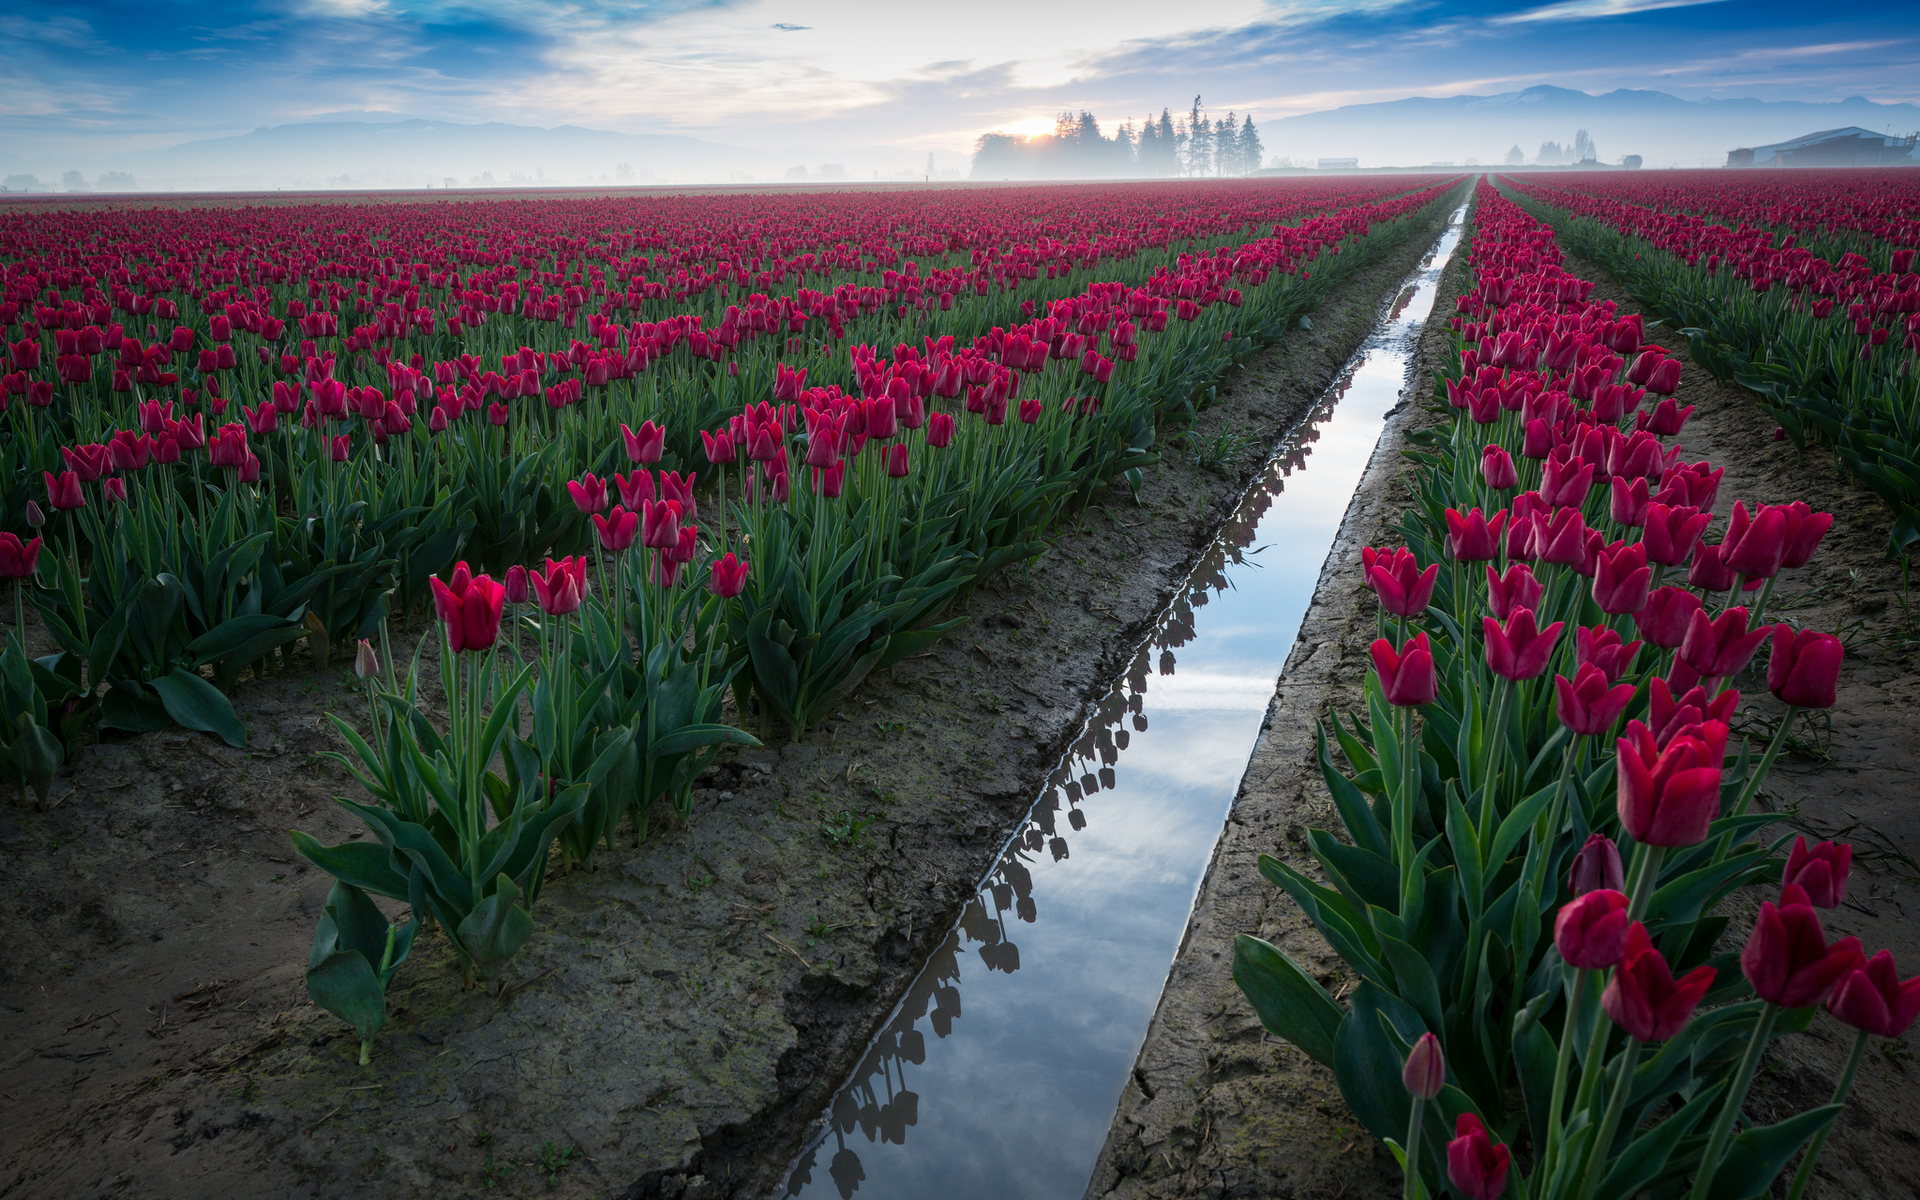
[1407, 675]
[1875, 1000]
[1668, 418]
[1669, 714]
[1473, 538]
[516, 585]
[1820, 872]
[1804, 669]
[1620, 579]
[635, 489]
[1668, 614]
[939, 430]
[619, 528]
[589, 493]
[1425, 1072]
[659, 525]
[1515, 590]
[89, 462]
[1668, 795]
[1602, 647]
[470, 608]
[719, 447]
[895, 457]
[64, 492]
[1566, 541]
[1628, 501]
[646, 444]
[1672, 532]
[1644, 999]
[1722, 646]
[18, 559]
[1404, 589]
[1496, 467]
[1597, 866]
[727, 576]
[1567, 481]
[1591, 930]
[1520, 650]
[1755, 546]
[1787, 958]
[1586, 704]
[557, 589]
[1805, 528]
[1476, 1166]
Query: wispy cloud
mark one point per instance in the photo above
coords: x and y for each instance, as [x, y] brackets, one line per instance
[1594, 10]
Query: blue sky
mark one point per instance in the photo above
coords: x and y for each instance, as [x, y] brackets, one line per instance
[106, 75]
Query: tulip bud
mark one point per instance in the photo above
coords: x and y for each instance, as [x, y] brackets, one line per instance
[35, 517]
[1820, 871]
[366, 664]
[1496, 467]
[1873, 998]
[1476, 1166]
[516, 584]
[1426, 1070]
[1597, 866]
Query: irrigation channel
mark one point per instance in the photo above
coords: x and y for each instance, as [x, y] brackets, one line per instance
[1065, 949]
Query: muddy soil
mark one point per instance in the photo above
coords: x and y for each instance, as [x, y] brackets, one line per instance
[1219, 1107]
[682, 1012]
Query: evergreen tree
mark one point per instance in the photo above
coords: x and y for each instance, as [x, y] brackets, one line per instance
[1251, 151]
[1516, 156]
[1226, 146]
[1199, 141]
[1166, 148]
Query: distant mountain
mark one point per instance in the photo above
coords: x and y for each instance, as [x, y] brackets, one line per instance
[1664, 130]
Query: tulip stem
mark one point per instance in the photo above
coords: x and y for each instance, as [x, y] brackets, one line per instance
[1409, 798]
[1413, 1189]
[1819, 1142]
[1496, 731]
[1596, 1051]
[1645, 879]
[1759, 776]
[1562, 1069]
[1742, 1080]
[1616, 1104]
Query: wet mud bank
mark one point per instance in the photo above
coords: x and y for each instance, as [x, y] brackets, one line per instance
[684, 1011]
[1217, 1107]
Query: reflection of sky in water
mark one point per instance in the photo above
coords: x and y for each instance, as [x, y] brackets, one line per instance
[1009, 1095]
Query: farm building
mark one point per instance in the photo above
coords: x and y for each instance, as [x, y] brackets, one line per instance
[1849, 147]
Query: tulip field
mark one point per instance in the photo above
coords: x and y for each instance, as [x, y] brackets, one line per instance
[1801, 289]
[1543, 809]
[618, 448]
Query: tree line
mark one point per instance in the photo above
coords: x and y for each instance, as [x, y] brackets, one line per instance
[1193, 145]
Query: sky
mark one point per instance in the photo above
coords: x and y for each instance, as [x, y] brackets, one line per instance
[93, 78]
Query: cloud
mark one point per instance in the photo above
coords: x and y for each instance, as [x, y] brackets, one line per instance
[1595, 10]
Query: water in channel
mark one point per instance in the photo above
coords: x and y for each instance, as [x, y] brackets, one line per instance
[997, 1076]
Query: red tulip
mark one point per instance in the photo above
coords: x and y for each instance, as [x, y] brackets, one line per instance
[1668, 795]
[589, 493]
[1671, 533]
[1668, 614]
[470, 608]
[89, 462]
[1722, 646]
[1591, 930]
[646, 445]
[64, 492]
[1755, 547]
[1476, 1166]
[1820, 872]
[1519, 650]
[1669, 715]
[18, 560]
[1668, 418]
[1473, 538]
[1804, 669]
[939, 430]
[1620, 579]
[1602, 647]
[1567, 481]
[1874, 999]
[558, 589]
[1563, 540]
[1404, 589]
[635, 489]
[1515, 590]
[1596, 866]
[895, 457]
[659, 525]
[1629, 501]
[1496, 467]
[1426, 1070]
[1586, 704]
[516, 585]
[1805, 528]
[1787, 958]
[619, 528]
[728, 576]
[1406, 675]
[1644, 999]
[719, 447]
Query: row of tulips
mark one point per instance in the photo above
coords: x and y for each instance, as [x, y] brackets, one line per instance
[1830, 347]
[839, 524]
[1542, 816]
[176, 548]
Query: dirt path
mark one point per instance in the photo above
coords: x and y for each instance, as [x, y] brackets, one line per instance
[1218, 1107]
[680, 1014]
